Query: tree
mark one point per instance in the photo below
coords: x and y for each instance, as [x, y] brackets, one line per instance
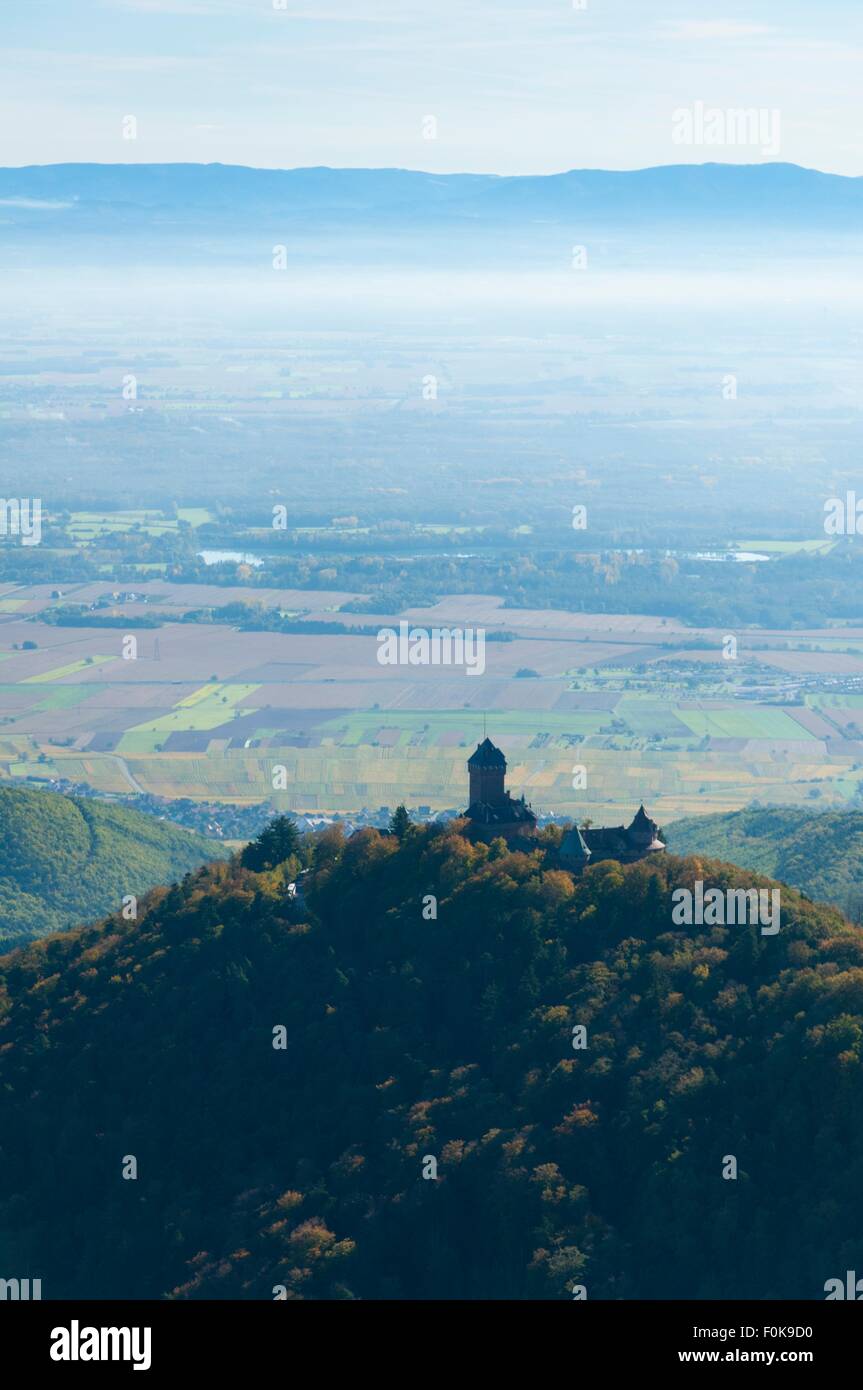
[400, 823]
[276, 843]
[854, 907]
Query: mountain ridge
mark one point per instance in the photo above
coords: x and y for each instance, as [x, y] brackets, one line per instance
[820, 853]
[784, 193]
[67, 860]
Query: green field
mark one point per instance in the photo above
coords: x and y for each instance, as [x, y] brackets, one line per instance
[650, 717]
[71, 669]
[832, 701]
[755, 722]
[85, 527]
[207, 712]
[361, 727]
[68, 696]
[819, 546]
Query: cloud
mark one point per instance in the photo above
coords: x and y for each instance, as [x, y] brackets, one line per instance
[185, 7]
[39, 204]
[261, 9]
[717, 29]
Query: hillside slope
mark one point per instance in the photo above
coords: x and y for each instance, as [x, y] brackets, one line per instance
[820, 854]
[66, 860]
[409, 1038]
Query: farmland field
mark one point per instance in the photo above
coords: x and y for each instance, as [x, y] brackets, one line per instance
[748, 723]
[644, 708]
[85, 527]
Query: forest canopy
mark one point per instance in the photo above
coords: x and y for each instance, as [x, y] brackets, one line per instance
[283, 1070]
[67, 860]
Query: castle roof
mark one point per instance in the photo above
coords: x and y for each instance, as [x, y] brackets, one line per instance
[607, 842]
[487, 755]
[573, 845]
[509, 811]
[619, 841]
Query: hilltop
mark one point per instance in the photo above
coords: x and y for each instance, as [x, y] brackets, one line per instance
[820, 854]
[68, 860]
[283, 1070]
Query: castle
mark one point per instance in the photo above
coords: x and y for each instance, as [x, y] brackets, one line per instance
[625, 843]
[493, 811]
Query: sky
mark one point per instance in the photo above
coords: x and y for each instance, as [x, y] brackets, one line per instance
[491, 86]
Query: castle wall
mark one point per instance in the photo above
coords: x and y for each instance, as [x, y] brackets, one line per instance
[487, 785]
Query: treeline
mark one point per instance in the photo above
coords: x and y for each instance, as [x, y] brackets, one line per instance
[252, 617]
[83, 616]
[796, 591]
[398, 567]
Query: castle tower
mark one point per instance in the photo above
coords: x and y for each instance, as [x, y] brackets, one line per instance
[492, 811]
[574, 852]
[643, 833]
[487, 771]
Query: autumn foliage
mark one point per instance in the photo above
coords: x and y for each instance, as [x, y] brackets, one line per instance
[299, 1169]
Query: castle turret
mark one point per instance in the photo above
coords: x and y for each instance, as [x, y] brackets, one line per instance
[573, 849]
[487, 771]
[643, 833]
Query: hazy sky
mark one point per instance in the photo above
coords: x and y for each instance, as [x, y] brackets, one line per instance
[515, 86]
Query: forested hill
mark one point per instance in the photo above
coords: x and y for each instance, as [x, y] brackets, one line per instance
[409, 1038]
[65, 860]
[821, 854]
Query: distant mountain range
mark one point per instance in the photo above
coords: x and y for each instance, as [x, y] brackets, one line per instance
[65, 861]
[780, 192]
[820, 854]
[156, 205]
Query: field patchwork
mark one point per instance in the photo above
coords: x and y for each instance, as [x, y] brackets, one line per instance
[640, 706]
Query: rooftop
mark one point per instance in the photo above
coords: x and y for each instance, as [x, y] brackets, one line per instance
[487, 755]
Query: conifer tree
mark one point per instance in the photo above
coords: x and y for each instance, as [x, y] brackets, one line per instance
[400, 823]
[276, 843]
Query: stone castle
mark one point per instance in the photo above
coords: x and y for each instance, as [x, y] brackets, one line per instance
[493, 811]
